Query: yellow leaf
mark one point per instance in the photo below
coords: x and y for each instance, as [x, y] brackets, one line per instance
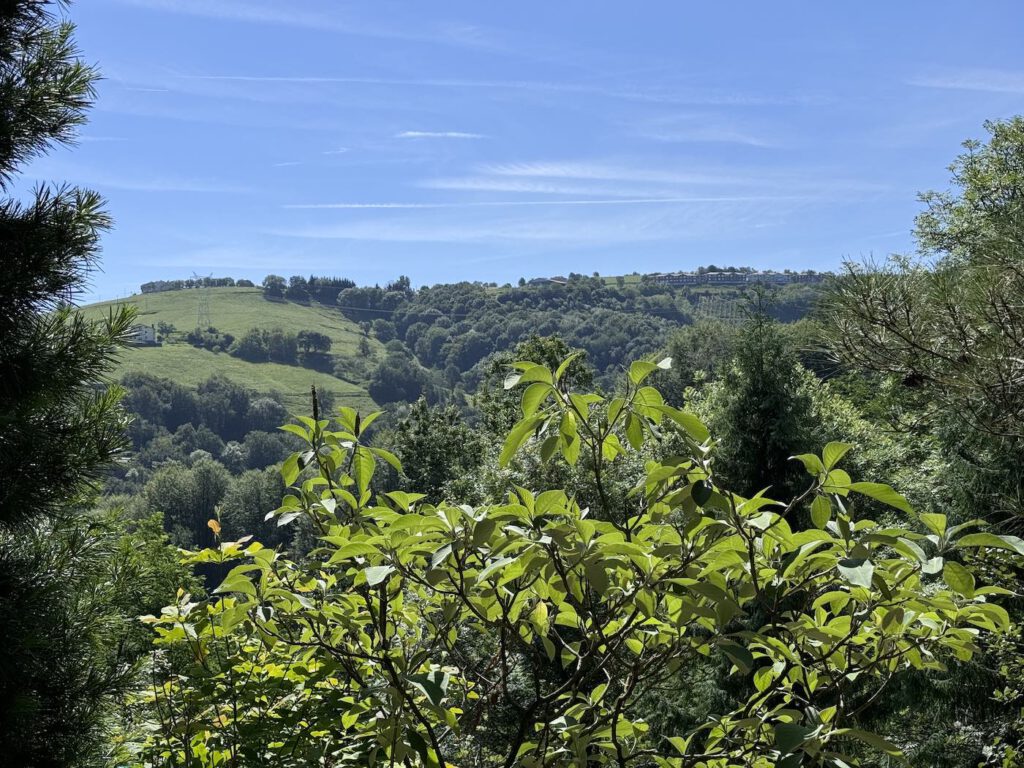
[214, 526]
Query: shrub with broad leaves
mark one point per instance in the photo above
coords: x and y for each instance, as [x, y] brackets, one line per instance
[523, 632]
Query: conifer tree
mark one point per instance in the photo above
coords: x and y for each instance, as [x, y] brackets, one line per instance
[57, 428]
[764, 416]
[63, 637]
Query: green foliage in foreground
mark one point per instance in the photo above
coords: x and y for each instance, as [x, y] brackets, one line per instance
[525, 632]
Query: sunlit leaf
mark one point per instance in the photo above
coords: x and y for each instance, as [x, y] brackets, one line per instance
[883, 493]
[857, 571]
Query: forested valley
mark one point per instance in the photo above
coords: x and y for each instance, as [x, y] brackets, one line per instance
[571, 522]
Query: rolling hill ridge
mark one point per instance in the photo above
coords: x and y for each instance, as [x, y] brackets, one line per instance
[235, 311]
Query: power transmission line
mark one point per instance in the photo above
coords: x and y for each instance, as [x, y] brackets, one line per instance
[719, 308]
[203, 307]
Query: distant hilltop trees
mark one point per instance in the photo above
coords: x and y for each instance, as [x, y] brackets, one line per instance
[302, 289]
[326, 289]
[157, 286]
[296, 288]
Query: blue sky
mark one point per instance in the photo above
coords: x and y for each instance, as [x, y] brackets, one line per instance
[489, 141]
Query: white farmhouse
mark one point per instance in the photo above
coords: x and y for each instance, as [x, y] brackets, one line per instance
[143, 335]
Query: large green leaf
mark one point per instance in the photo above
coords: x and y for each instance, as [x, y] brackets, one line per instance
[494, 566]
[959, 579]
[640, 370]
[533, 396]
[821, 511]
[811, 463]
[992, 540]
[701, 492]
[871, 739]
[377, 573]
[634, 431]
[857, 571]
[353, 549]
[536, 373]
[237, 583]
[519, 434]
[883, 493]
[433, 685]
[739, 655]
[363, 466]
[934, 522]
[290, 469]
[833, 453]
[388, 456]
[693, 426]
[789, 736]
[564, 365]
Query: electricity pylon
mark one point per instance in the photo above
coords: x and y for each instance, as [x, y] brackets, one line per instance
[203, 307]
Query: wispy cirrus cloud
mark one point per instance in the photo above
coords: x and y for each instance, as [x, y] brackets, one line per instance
[515, 203]
[703, 128]
[605, 171]
[986, 80]
[332, 17]
[789, 182]
[281, 14]
[647, 221]
[252, 12]
[223, 111]
[537, 186]
[438, 135]
[624, 91]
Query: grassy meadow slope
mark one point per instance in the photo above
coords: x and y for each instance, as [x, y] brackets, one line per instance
[234, 311]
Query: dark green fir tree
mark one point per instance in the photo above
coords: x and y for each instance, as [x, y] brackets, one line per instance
[65, 638]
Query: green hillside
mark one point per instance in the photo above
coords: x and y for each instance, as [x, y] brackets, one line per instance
[234, 311]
